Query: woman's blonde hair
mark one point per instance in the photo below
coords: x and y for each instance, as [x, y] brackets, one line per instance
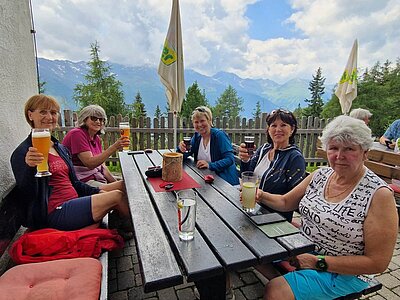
[40, 101]
[201, 111]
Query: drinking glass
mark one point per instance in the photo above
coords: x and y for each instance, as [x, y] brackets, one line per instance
[125, 131]
[186, 140]
[249, 189]
[249, 141]
[186, 201]
[41, 141]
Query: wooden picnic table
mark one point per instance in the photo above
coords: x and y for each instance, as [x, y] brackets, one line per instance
[226, 239]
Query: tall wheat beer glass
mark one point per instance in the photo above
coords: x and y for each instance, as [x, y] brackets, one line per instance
[125, 131]
[41, 141]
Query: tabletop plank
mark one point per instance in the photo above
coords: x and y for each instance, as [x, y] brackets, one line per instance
[158, 263]
[195, 256]
[226, 245]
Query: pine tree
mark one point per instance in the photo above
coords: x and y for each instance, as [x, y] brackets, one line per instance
[316, 87]
[194, 98]
[101, 87]
[229, 104]
[157, 113]
[257, 110]
[139, 109]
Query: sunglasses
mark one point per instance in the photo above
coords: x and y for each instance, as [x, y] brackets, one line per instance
[276, 111]
[94, 119]
[200, 109]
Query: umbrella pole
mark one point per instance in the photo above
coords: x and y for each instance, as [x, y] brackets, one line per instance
[175, 124]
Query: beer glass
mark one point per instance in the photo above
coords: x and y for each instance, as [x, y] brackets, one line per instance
[249, 189]
[249, 141]
[186, 140]
[41, 141]
[125, 131]
[186, 201]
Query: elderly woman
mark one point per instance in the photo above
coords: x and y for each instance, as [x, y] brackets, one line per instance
[84, 144]
[361, 114]
[347, 211]
[58, 201]
[211, 147]
[279, 163]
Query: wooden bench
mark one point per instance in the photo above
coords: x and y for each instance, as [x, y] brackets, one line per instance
[11, 229]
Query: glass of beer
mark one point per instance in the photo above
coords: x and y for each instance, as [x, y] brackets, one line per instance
[249, 189]
[249, 141]
[125, 131]
[186, 140]
[41, 141]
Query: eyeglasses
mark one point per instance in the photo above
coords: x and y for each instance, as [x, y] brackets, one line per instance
[94, 119]
[275, 111]
[45, 112]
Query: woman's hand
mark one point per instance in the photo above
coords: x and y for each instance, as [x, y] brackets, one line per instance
[33, 157]
[202, 164]
[259, 195]
[304, 261]
[122, 142]
[243, 153]
[182, 146]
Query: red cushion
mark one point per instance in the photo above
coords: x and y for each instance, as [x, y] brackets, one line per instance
[395, 187]
[77, 278]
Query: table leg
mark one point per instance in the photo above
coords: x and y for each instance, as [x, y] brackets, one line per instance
[213, 288]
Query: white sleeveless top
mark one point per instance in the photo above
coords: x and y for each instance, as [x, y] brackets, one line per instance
[337, 228]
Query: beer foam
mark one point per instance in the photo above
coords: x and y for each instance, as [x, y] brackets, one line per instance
[124, 126]
[40, 134]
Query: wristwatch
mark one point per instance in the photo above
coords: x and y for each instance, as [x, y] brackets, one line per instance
[321, 264]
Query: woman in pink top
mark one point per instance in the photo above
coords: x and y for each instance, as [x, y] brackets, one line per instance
[84, 143]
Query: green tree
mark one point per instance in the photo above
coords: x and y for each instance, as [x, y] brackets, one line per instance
[139, 109]
[229, 104]
[42, 88]
[157, 113]
[316, 87]
[194, 98]
[101, 87]
[257, 110]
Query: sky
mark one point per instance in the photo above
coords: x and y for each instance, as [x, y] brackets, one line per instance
[278, 40]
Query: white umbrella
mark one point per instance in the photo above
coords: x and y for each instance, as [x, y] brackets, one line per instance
[170, 68]
[347, 88]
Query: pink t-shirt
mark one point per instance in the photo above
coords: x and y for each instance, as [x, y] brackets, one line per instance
[63, 189]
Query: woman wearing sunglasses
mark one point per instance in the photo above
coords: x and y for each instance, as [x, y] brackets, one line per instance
[279, 163]
[84, 143]
[60, 200]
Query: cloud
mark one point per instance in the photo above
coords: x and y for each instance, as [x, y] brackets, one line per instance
[216, 38]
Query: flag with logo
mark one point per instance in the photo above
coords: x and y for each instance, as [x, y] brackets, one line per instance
[170, 68]
[347, 88]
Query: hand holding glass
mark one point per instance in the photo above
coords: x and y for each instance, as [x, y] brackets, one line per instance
[125, 131]
[249, 189]
[186, 201]
[41, 141]
[249, 141]
[186, 140]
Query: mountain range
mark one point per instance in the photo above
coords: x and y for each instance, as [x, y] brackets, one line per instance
[61, 76]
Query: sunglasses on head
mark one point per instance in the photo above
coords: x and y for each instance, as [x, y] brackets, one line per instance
[200, 109]
[94, 119]
[275, 111]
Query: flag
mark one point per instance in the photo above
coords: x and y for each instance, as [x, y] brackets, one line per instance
[347, 88]
[170, 68]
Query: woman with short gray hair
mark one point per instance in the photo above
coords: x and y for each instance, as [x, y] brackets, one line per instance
[361, 114]
[85, 146]
[347, 211]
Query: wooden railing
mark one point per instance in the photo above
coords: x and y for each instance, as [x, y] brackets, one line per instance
[158, 133]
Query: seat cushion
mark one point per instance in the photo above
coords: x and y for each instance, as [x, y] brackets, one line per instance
[77, 278]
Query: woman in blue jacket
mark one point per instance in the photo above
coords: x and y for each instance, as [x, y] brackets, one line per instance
[210, 147]
[278, 163]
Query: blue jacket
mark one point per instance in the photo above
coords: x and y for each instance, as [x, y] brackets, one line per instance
[33, 191]
[221, 152]
[286, 170]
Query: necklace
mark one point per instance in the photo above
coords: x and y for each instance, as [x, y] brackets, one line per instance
[328, 189]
